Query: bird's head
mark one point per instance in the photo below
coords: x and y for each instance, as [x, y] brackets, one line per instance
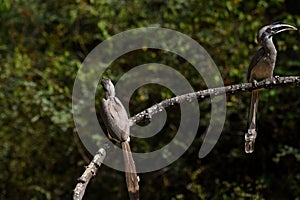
[108, 87]
[267, 32]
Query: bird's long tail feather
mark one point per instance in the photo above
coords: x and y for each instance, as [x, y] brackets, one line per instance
[251, 133]
[130, 172]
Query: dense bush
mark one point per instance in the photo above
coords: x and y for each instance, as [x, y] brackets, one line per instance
[42, 46]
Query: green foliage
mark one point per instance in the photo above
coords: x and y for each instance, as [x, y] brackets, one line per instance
[42, 44]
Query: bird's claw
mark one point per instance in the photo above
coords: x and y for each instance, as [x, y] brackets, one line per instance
[277, 77]
[255, 83]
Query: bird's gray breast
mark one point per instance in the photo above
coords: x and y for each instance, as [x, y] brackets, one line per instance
[263, 68]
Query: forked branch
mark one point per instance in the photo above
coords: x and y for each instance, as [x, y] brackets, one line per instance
[92, 168]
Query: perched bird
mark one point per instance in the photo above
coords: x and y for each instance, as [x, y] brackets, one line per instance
[261, 67]
[116, 121]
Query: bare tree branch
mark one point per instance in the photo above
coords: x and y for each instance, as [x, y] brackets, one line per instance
[200, 95]
[90, 172]
[212, 92]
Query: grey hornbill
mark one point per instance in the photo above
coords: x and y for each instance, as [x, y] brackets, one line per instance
[116, 121]
[261, 67]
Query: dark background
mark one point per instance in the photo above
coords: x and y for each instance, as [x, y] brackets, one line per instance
[43, 44]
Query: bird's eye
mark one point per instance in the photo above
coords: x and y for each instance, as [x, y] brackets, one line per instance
[268, 30]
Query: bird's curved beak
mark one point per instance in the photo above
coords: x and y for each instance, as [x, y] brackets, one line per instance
[277, 28]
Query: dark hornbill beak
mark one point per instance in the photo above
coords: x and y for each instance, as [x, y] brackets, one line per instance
[277, 28]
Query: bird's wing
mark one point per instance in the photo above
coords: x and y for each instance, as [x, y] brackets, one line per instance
[256, 58]
[121, 118]
[115, 118]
